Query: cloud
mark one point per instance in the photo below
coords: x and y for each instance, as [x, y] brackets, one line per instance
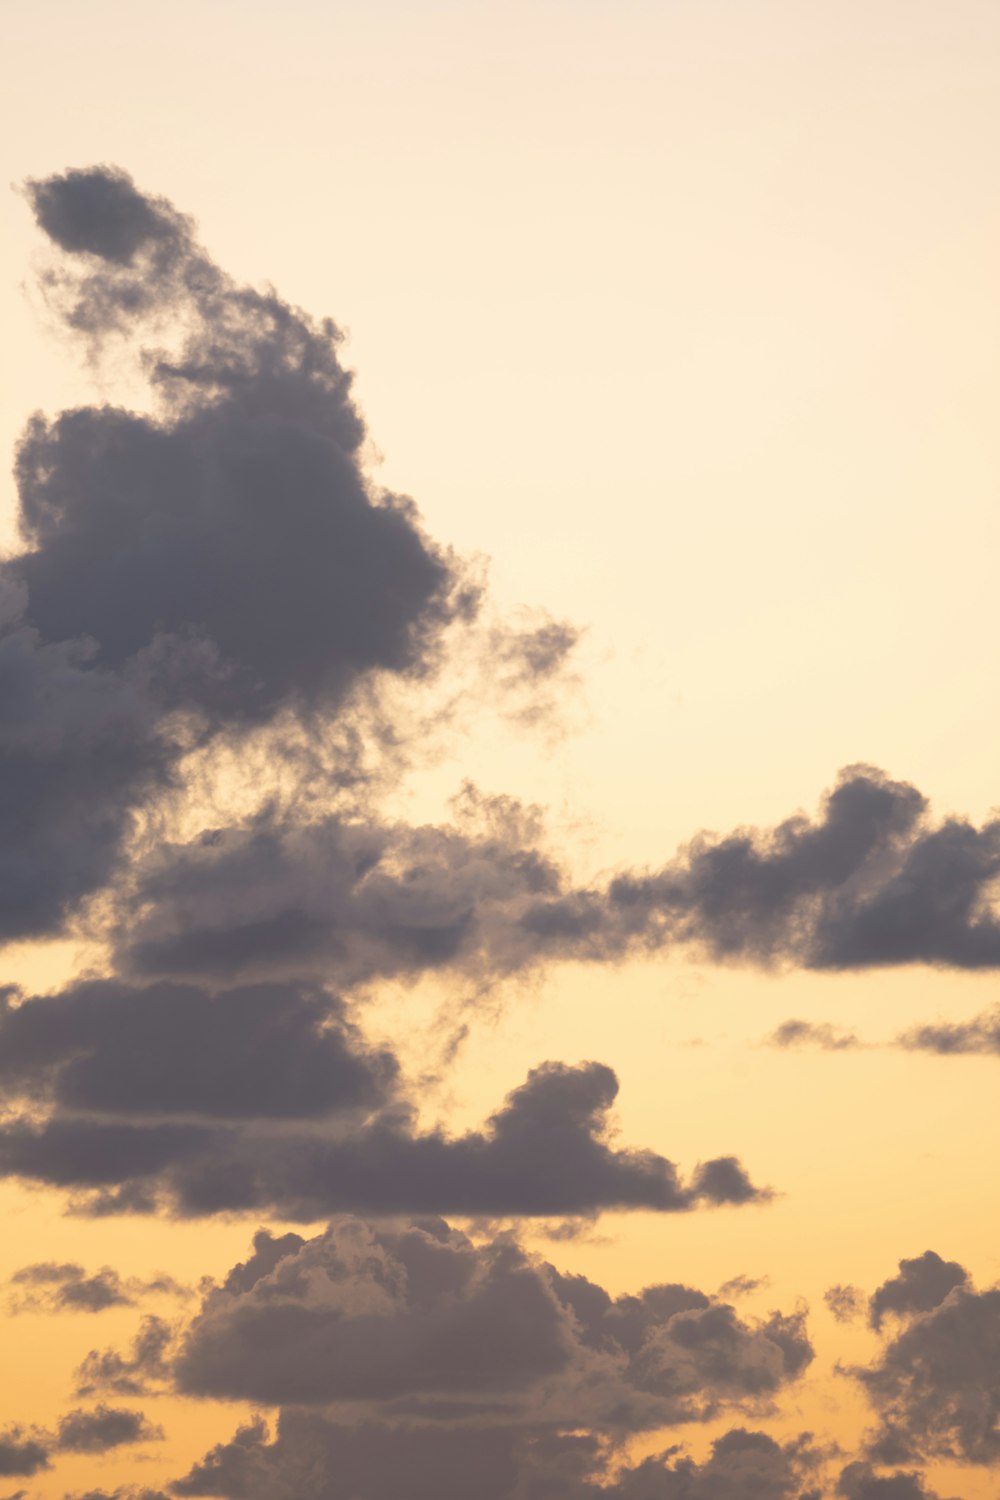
[143, 1370]
[421, 1322]
[859, 1481]
[128, 1492]
[48, 1287]
[267, 1096]
[922, 1284]
[240, 516]
[980, 1035]
[264, 1051]
[936, 1383]
[545, 1152]
[846, 1303]
[80, 750]
[205, 569]
[870, 882]
[412, 1359]
[313, 1455]
[354, 900]
[102, 1429]
[21, 1453]
[810, 1034]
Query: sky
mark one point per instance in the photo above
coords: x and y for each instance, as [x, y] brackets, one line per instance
[498, 878]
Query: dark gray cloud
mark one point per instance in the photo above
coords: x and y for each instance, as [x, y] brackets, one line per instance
[743, 1285]
[50, 1287]
[128, 1492]
[870, 882]
[240, 516]
[310, 1454]
[922, 1284]
[813, 1034]
[546, 1152]
[98, 1431]
[100, 213]
[980, 1035]
[207, 568]
[410, 1359]
[859, 1481]
[103, 1428]
[80, 750]
[22, 1452]
[936, 1383]
[263, 1051]
[421, 1322]
[355, 900]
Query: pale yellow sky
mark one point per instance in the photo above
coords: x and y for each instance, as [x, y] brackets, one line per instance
[686, 315]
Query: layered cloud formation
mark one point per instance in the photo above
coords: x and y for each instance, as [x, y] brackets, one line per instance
[215, 570]
[215, 582]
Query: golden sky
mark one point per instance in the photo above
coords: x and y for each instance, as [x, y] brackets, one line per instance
[678, 322]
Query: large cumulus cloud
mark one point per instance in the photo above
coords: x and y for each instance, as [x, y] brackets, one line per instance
[423, 1322]
[310, 1453]
[200, 569]
[410, 1359]
[240, 516]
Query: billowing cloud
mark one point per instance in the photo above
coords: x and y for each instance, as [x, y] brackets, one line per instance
[312, 1454]
[922, 1284]
[202, 569]
[411, 1359]
[240, 517]
[128, 1492]
[80, 750]
[870, 882]
[353, 900]
[936, 1383]
[218, 575]
[422, 1322]
[859, 1481]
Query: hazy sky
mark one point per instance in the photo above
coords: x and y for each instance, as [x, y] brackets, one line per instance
[498, 790]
